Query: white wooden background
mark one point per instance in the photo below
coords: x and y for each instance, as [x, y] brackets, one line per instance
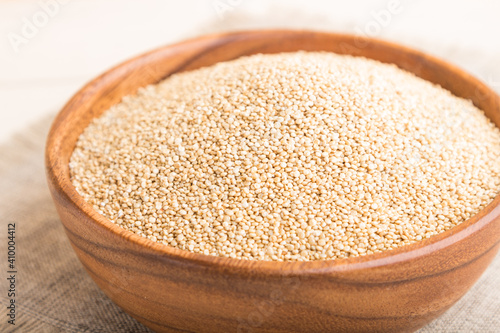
[41, 68]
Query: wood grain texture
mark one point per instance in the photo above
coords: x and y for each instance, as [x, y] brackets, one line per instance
[172, 290]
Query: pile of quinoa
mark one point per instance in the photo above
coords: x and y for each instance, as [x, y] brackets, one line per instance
[287, 157]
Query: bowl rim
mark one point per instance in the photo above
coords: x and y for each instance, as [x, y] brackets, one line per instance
[60, 183]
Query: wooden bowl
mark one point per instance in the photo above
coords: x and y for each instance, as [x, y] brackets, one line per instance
[168, 289]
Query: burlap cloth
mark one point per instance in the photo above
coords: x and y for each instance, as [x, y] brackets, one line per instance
[55, 294]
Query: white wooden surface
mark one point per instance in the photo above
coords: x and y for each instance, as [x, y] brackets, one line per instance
[85, 37]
